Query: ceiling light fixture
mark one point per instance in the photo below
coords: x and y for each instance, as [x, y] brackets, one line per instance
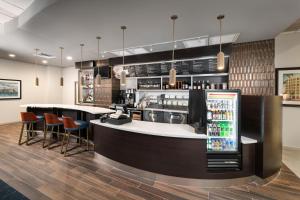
[139, 50]
[44, 61]
[172, 73]
[61, 65]
[198, 42]
[37, 82]
[220, 56]
[123, 73]
[12, 55]
[69, 58]
[98, 76]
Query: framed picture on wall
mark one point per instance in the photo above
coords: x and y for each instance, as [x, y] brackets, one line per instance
[288, 85]
[10, 89]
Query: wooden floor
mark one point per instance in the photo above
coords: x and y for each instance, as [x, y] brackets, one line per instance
[45, 174]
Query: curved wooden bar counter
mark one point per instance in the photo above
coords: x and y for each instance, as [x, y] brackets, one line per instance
[169, 149]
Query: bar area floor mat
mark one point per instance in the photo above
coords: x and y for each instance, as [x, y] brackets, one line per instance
[9, 193]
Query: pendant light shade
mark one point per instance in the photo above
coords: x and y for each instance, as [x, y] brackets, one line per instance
[123, 78]
[172, 73]
[37, 82]
[98, 76]
[220, 56]
[81, 77]
[123, 73]
[61, 77]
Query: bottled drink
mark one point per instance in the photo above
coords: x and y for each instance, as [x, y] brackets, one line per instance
[194, 85]
[207, 85]
[199, 85]
[209, 115]
[203, 85]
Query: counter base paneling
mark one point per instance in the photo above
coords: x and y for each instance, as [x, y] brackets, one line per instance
[180, 157]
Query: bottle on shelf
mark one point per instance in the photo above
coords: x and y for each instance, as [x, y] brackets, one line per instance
[195, 87]
[203, 85]
[207, 85]
[199, 85]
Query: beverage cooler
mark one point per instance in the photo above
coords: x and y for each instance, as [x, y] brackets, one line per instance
[223, 129]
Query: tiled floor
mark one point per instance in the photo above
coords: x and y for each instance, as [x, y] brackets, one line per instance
[291, 157]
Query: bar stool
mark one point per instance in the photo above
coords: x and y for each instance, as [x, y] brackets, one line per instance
[28, 120]
[71, 126]
[52, 121]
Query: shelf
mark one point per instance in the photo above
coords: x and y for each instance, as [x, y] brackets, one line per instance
[221, 120]
[182, 76]
[220, 137]
[162, 90]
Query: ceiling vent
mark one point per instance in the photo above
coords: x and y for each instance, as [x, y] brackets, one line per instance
[45, 55]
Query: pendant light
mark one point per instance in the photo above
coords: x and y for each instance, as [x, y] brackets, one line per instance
[98, 76]
[61, 65]
[81, 77]
[123, 73]
[37, 82]
[220, 56]
[172, 73]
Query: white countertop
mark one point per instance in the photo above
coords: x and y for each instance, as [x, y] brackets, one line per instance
[156, 129]
[246, 140]
[89, 109]
[163, 129]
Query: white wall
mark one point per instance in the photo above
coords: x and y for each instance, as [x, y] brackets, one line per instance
[68, 93]
[49, 90]
[287, 54]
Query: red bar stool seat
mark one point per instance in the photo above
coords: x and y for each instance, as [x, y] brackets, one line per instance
[71, 126]
[28, 121]
[51, 121]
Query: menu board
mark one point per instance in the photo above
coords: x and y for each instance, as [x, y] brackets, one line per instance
[212, 65]
[141, 70]
[185, 67]
[131, 71]
[177, 66]
[153, 69]
[197, 66]
[165, 68]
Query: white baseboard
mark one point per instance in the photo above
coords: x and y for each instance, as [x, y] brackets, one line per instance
[9, 123]
[291, 148]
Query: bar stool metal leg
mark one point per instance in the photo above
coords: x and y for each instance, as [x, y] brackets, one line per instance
[87, 138]
[51, 137]
[80, 137]
[28, 129]
[68, 139]
[21, 134]
[63, 141]
[45, 135]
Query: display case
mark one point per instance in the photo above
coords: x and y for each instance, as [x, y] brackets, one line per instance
[86, 86]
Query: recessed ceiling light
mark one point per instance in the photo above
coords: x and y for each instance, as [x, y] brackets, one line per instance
[138, 50]
[103, 56]
[120, 53]
[199, 42]
[231, 38]
[11, 55]
[44, 61]
[69, 58]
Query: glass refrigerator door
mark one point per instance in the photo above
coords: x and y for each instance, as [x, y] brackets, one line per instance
[222, 121]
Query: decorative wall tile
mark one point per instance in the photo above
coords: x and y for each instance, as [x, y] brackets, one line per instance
[252, 68]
